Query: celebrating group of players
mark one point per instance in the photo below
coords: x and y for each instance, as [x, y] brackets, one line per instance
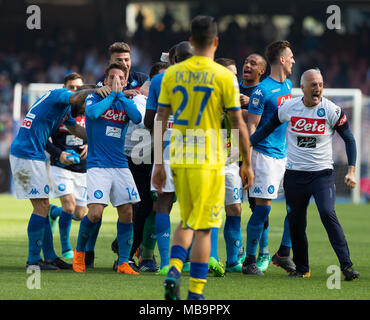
[131, 119]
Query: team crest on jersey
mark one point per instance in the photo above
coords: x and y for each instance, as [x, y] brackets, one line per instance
[216, 212]
[98, 194]
[271, 189]
[134, 83]
[321, 112]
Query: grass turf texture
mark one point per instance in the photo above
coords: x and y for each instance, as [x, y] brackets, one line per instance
[103, 283]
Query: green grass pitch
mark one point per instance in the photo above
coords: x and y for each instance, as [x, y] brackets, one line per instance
[103, 283]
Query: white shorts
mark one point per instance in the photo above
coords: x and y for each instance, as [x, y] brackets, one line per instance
[169, 186]
[30, 178]
[66, 182]
[111, 184]
[268, 173]
[233, 185]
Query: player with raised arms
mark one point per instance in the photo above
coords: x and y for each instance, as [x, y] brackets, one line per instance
[108, 175]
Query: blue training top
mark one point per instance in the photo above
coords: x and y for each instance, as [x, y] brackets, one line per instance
[42, 120]
[106, 125]
[154, 91]
[265, 100]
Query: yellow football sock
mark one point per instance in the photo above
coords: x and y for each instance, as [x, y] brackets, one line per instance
[177, 263]
[197, 285]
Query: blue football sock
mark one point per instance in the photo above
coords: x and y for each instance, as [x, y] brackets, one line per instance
[163, 232]
[214, 243]
[286, 241]
[47, 245]
[125, 232]
[177, 253]
[65, 222]
[35, 232]
[233, 239]
[90, 245]
[255, 228]
[56, 212]
[84, 233]
[264, 241]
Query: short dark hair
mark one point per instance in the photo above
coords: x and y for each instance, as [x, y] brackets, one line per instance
[119, 47]
[156, 67]
[226, 62]
[274, 50]
[116, 65]
[72, 76]
[171, 54]
[203, 30]
[184, 51]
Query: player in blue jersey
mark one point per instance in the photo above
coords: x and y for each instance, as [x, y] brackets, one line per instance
[28, 165]
[68, 178]
[108, 175]
[120, 52]
[269, 156]
[180, 52]
[254, 67]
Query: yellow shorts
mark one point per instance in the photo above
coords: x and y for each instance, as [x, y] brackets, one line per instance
[201, 196]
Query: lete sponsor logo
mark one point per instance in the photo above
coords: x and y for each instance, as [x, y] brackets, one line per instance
[284, 98]
[308, 125]
[114, 115]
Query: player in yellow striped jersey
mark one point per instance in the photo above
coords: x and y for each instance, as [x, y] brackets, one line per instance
[195, 91]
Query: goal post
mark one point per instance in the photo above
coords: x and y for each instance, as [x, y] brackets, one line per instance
[351, 101]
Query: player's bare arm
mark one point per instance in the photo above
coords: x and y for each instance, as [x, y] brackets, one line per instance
[78, 131]
[160, 124]
[253, 121]
[149, 118]
[145, 88]
[246, 171]
[78, 98]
